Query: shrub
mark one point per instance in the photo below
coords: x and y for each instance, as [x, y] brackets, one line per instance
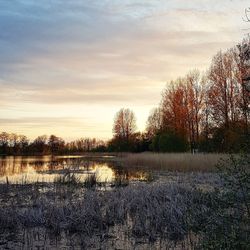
[228, 220]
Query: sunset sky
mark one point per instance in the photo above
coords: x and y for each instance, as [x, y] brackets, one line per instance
[66, 67]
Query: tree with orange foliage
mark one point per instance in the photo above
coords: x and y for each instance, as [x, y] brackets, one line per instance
[194, 96]
[174, 110]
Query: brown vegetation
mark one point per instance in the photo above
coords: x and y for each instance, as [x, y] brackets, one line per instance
[185, 162]
[206, 111]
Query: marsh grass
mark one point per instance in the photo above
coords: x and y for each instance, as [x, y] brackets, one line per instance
[67, 179]
[91, 181]
[120, 180]
[183, 162]
[151, 211]
[172, 211]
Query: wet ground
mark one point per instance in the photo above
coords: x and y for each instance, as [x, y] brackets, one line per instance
[40, 210]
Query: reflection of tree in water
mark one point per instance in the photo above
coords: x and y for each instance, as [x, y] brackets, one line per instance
[124, 173]
[42, 165]
[19, 165]
[106, 171]
[76, 164]
[121, 173]
[12, 165]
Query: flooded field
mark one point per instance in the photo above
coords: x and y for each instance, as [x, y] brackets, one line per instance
[49, 169]
[104, 202]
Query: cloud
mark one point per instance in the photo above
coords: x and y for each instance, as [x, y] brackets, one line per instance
[106, 53]
[33, 121]
[66, 127]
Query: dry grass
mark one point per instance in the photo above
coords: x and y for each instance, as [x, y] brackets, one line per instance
[145, 210]
[184, 162]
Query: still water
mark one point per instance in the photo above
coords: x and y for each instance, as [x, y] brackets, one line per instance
[26, 169]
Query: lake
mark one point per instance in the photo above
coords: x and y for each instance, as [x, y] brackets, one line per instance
[41, 169]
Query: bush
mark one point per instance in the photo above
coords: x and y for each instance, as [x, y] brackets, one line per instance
[170, 142]
[228, 220]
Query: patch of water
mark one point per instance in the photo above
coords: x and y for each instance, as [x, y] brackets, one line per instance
[41, 169]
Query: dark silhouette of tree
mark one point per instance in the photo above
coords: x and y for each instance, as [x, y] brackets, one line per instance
[39, 145]
[243, 76]
[4, 142]
[13, 144]
[56, 144]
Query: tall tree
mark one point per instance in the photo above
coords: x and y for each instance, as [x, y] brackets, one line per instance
[242, 59]
[174, 109]
[4, 142]
[124, 127]
[39, 145]
[195, 85]
[219, 91]
[154, 122]
[56, 144]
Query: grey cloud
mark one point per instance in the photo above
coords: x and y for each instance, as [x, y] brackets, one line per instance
[29, 28]
[46, 46]
[40, 122]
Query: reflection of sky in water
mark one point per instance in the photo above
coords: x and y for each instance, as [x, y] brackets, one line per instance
[104, 173]
[47, 169]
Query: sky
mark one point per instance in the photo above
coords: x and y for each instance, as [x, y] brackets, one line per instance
[66, 67]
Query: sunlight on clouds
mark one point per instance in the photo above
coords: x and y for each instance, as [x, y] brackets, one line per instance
[67, 67]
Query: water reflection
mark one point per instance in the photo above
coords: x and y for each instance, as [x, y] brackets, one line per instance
[22, 170]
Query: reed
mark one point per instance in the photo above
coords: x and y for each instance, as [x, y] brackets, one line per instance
[183, 162]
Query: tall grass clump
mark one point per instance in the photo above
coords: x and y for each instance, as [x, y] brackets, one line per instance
[121, 180]
[68, 178]
[90, 181]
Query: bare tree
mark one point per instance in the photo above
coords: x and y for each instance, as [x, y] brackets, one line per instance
[40, 144]
[124, 124]
[154, 122]
[55, 143]
[194, 99]
[219, 93]
[174, 108]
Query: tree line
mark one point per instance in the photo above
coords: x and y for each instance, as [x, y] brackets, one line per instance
[206, 112]
[13, 144]
[201, 111]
